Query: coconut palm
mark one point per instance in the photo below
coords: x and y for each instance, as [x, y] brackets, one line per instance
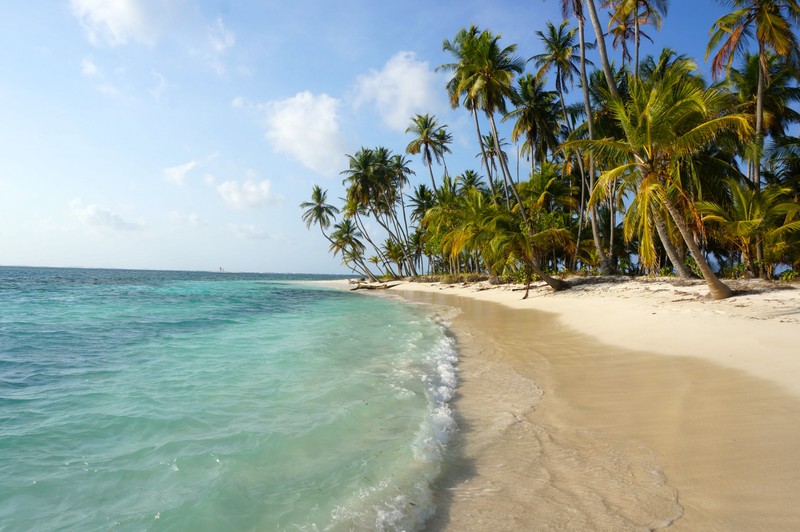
[772, 22]
[430, 140]
[754, 215]
[562, 55]
[485, 76]
[665, 122]
[534, 118]
[468, 180]
[601, 48]
[318, 211]
[517, 245]
[570, 8]
[779, 92]
[346, 239]
[629, 15]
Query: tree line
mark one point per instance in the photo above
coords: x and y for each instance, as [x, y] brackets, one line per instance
[654, 169]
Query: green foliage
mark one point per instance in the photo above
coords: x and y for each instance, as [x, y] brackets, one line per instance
[790, 275]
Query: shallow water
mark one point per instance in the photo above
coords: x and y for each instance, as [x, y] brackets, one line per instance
[173, 400]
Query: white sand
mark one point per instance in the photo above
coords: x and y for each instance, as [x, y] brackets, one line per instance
[623, 405]
[757, 331]
[627, 406]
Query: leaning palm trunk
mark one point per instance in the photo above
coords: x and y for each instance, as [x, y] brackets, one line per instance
[556, 284]
[717, 288]
[505, 170]
[663, 235]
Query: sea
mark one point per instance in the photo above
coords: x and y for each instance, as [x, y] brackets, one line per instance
[161, 400]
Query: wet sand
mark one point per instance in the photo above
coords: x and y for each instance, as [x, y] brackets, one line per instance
[560, 431]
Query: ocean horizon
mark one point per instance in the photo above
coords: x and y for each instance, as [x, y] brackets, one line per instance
[152, 399]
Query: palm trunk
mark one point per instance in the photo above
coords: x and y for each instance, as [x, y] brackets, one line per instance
[504, 168]
[636, 40]
[674, 257]
[483, 150]
[605, 267]
[762, 75]
[556, 284]
[568, 125]
[717, 288]
[433, 182]
[601, 48]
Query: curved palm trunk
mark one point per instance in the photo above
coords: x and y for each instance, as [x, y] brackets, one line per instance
[601, 48]
[674, 257]
[556, 284]
[717, 288]
[363, 230]
[604, 265]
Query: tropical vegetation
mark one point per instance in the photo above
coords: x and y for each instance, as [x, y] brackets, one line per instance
[651, 169]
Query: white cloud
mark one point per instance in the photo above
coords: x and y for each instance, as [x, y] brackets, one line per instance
[403, 88]
[306, 127]
[116, 22]
[250, 232]
[220, 40]
[161, 86]
[89, 69]
[247, 195]
[177, 174]
[101, 218]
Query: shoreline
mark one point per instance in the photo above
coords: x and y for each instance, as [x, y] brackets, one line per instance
[622, 405]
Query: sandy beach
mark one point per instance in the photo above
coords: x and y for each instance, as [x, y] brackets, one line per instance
[622, 405]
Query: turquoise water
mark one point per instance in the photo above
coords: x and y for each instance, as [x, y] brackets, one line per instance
[174, 401]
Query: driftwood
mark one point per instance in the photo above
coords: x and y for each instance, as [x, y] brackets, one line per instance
[367, 286]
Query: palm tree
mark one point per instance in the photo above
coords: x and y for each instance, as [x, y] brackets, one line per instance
[635, 13]
[534, 118]
[754, 215]
[601, 48]
[346, 239]
[510, 241]
[773, 22]
[375, 185]
[468, 180]
[665, 122]
[485, 76]
[780, 90]
[318, 211]
[561, 54]
[575, 7]
[430, 140]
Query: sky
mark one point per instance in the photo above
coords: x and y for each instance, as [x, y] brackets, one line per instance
[183, 135]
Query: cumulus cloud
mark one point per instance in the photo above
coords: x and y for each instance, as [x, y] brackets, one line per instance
[405, 86]
[177, 174]
[306, 127]
[246, 195]
[119, 21]
[101, 218]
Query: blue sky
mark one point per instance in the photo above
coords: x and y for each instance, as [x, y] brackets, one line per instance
[176, 134]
